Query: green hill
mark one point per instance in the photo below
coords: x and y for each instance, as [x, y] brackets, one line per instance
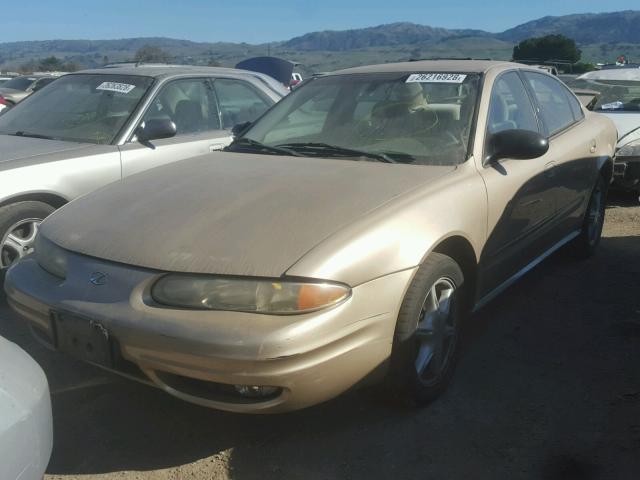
[602, 37]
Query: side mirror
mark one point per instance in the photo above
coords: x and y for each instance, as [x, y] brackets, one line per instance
[155, 129]
[239, 128]
[518, 144]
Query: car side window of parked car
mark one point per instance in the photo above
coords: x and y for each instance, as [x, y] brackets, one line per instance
[555, 109]
[189, 103]
[510, 106]
[239, 102]
[43, 82]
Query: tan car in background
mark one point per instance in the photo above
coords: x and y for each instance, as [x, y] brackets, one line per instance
[345, 236]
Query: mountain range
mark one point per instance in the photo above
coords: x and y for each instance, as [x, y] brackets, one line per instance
[601, 36]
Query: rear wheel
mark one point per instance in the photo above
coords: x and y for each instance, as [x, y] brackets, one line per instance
[426, 343]
[19, 224]
[586, 244]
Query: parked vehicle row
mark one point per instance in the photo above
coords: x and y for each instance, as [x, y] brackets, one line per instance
[343, 237]
[16, 89]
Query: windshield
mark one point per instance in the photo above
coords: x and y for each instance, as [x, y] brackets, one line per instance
[614, 95]
[19, 83]
[78, 108]
[402, 117]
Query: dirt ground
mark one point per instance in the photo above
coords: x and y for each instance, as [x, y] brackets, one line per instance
[548, 387]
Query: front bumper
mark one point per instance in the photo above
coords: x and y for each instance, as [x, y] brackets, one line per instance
[199, 355]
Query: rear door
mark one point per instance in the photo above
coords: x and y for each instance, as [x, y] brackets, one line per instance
[572, 143]
[520, 193]
[239, 101]
[191, 104]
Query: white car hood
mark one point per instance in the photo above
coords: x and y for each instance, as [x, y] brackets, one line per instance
[25, 415]
[626, 122]
[13, 148]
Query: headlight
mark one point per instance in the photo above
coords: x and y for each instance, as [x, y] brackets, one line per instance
[247, 295]
[631, 149]
[51, 257]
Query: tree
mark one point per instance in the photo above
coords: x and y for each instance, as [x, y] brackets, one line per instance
[550, 47]
[50, 64]
[151, 54]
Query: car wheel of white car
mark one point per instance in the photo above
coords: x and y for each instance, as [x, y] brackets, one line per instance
[426, 343]
[19, 224]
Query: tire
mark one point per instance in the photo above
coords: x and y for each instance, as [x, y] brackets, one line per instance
[420, 329]
[18, 227]
[586, 244]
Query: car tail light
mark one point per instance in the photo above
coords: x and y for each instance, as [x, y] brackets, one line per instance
[3, 101]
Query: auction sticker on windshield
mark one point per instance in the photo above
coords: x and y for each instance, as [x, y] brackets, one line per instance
[436, 78]
[115, 87]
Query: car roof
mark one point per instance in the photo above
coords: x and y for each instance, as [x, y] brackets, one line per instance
[457, 66]
[42, 75]
[161, 70]
[632, 74]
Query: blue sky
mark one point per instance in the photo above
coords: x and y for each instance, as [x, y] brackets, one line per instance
[256, 21]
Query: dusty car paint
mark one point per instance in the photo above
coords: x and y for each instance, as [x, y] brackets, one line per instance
[367, 225]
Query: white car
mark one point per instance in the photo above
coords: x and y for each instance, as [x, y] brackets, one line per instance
[26, 428]
[619, 99]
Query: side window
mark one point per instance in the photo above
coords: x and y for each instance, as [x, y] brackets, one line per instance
[42, 83]
[574, 103]
[189, 103]
[239, 102]
[555, 110]
[510, 106]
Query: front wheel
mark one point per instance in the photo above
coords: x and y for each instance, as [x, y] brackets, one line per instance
[426, 344]
[19, 224]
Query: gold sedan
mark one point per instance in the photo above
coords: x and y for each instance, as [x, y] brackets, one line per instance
[342, 238]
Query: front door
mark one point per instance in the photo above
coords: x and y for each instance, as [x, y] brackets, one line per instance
[520, 196]
[574, 144]
[191, 104]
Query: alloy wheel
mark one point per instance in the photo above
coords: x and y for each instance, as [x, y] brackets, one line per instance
[18, 241]
[436, 332]
[596, 214]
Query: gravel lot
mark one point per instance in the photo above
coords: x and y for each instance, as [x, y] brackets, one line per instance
[548, 387]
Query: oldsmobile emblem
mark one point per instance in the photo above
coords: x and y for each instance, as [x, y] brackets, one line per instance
[98, 278]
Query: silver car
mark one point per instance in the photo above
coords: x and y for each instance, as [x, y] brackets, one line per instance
[91, 128]
[26, 428]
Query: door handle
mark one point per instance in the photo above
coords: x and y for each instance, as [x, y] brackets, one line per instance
[216, 146]
[593, 146]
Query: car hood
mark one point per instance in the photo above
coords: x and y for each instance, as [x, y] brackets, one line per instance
[625, 123]
[229, 213]
[14, 148]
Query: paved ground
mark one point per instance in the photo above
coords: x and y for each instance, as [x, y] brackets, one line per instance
[549, 387]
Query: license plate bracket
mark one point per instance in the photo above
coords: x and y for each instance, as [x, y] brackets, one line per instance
[83, 338]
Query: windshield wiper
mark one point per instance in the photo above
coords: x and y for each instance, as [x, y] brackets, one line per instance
[22, 133]
[253, 145]
[325, 148]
